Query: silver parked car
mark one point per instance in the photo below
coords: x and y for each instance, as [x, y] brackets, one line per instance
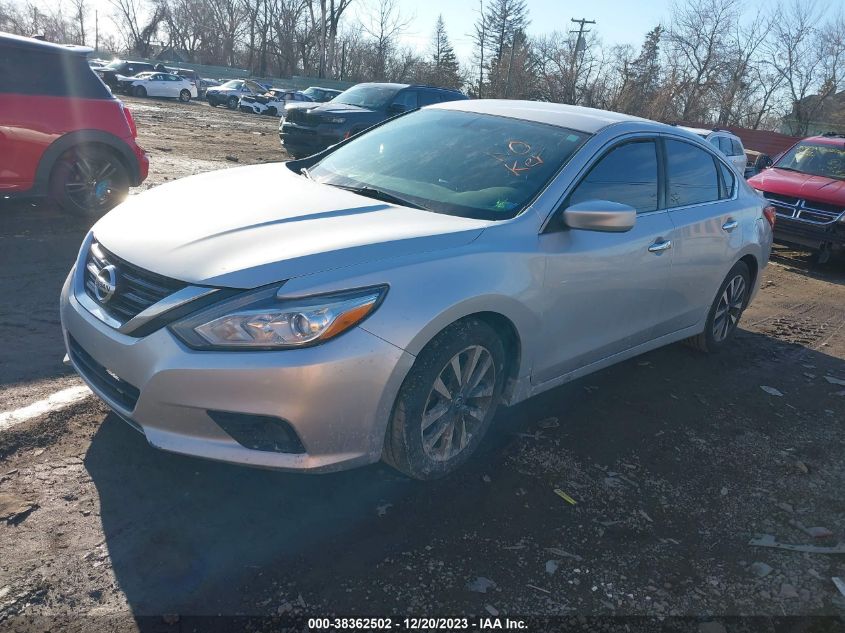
[410, 280]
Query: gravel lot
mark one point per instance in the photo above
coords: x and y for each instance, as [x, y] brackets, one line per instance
[676, 461]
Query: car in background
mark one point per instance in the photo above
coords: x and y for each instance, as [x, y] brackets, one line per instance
[63, 134]
[408, 282]
[159, 85]
[806, 186]
[307, 131]
[726, 142]
[230, 93]
[272, 102]
[111, 72]
[321, 95]
[192, 76]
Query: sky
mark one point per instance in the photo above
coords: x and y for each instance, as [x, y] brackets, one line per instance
[617, 21]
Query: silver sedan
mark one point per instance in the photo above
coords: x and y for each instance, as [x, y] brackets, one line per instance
[408, 282]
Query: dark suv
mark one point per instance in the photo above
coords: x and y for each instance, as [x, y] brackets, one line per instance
[110, 71]
[62, 133]
[306, 132]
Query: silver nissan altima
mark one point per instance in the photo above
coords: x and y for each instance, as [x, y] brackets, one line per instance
[407, 282]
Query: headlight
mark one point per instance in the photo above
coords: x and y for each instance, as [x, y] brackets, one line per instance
[261, 320]
[337, 120]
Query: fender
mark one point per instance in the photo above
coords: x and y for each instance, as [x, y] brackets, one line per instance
[82, 137]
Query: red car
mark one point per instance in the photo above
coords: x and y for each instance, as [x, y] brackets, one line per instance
[62, 133]
[806, 185]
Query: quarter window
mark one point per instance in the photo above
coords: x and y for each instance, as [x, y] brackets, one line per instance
[728, 181]
[691, 175]
[737, 147]
[627, 174]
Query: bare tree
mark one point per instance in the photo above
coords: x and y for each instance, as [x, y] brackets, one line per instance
[384, 25]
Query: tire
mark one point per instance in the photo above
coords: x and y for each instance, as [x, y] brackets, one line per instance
[185, 96]
[720, 326]
[88, 181]
[232, 103]
[140, 91]
[271, 111]
[429, 450]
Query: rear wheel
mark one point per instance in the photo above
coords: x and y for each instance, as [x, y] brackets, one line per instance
[185, 96]
[140, 91]
[726, 311]
[232, 103]
[447, 401]
[88, 181]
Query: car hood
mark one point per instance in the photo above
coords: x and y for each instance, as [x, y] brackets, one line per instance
[798, 185]
[228, 228]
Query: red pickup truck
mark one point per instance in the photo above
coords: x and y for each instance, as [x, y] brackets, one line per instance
[806, 185]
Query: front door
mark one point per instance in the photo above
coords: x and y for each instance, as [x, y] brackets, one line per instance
[605, 290]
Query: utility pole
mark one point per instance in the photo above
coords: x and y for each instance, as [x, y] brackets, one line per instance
[579, 46]
[96, 30]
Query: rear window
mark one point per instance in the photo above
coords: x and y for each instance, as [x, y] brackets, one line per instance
[691, 175]
[49, 74]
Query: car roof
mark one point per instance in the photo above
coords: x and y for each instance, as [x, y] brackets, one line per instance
[33, 44]
[589, 120]
[835, 140]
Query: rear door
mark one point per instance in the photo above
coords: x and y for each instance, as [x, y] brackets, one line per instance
[701, 195]
[606, 289]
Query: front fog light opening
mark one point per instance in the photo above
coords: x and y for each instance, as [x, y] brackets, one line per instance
[259, 432]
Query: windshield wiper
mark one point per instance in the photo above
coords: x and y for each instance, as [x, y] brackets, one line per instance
[304, 171]
[379, 194]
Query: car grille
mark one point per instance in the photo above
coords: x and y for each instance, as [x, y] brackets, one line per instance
[805, 211]
[113, 387]
[135, 289]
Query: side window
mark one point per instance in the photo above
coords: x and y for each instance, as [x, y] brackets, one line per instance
[725, 145]
[627, 174]
[407, 98]
[728, 181]
[737, 147]
[714, 141]
[691, 175]
[427, 97]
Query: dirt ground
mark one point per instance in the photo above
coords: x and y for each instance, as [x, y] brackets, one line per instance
[676, 462]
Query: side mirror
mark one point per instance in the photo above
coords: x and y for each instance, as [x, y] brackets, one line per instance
[396, 108]
[600, 215]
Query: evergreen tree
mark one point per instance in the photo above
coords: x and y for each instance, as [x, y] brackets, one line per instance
[444, 62]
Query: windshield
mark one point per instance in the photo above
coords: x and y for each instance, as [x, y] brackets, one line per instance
[372, 97]
[458, 163]
[143, 75]
[233, 85]
[114, 64]
[817, 159]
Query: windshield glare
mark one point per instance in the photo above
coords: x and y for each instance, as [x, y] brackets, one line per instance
[371, 97]
[458, 163]
[817, 159]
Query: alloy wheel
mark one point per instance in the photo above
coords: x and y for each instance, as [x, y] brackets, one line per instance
[729, 309]
[458, 403]
[90, 182]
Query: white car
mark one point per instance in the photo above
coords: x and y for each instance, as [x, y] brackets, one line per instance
[158, 84]
[273, 102]
[726, 142]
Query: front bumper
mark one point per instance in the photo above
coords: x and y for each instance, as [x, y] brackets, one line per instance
[336, 397]
[302, 140]
[812, 236]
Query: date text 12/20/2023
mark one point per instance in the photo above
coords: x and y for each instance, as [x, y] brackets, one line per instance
[413, 624]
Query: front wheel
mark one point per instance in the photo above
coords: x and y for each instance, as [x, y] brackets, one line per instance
[185, 96]
[232, 103]
[447, 401]
[88, 181]
[726, 311]
[140, 91]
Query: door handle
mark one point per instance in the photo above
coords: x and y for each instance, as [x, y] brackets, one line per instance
[730, 225]
[660, 246]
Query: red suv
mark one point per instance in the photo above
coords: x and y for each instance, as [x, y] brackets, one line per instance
[806, 186]
[62, 133]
